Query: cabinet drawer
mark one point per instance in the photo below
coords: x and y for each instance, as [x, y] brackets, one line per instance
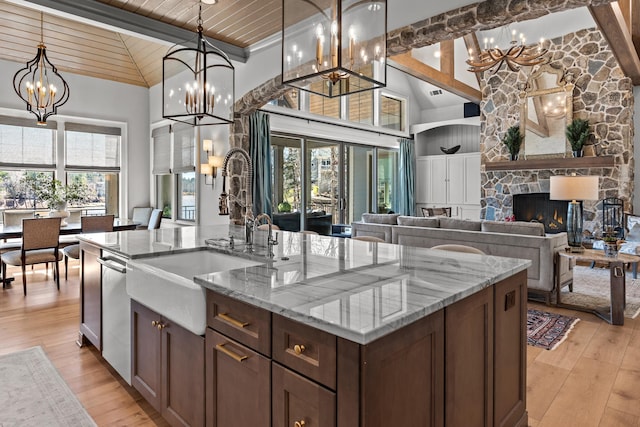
[306, 350]
[238, 384]
[298, 402]
[243, 322]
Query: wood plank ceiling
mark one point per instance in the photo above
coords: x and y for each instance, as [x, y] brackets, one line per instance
[87, 50]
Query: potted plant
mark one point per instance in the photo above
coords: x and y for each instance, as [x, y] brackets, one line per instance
[513, 140]
[577, 135]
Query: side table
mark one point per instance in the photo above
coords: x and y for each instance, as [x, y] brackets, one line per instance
[613, 314]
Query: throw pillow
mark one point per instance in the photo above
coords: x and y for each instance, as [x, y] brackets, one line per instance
[517, 227]
[372, 218]
[459, 224]
[416, 221]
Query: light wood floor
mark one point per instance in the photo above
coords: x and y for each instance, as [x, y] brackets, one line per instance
[50, 319]
[591, 379]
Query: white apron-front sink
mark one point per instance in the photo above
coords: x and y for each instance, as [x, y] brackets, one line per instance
[165, 284]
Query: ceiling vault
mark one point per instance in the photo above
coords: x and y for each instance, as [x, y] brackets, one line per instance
[444, 79]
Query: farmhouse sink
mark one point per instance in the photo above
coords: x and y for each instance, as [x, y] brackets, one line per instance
[165, 284]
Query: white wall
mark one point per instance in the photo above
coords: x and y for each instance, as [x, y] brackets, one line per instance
[104, 100]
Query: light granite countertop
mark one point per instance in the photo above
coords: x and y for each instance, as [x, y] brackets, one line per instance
[357, 290]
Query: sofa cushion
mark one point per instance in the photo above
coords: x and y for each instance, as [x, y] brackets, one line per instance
[372, 218]
[517, 227]
[417, 221]
[459, 224]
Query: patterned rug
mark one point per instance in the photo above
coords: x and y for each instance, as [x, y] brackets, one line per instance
[591, 290]
[33, 393]
[548, 330]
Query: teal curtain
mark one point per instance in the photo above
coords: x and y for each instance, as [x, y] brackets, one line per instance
[260, 152]
[407, 177]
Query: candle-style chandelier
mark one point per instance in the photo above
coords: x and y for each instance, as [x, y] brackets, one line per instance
[38, 84]
[198, 83]
[517, 55]
[334, 47]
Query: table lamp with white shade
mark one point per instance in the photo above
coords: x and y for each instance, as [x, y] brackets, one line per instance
[575, 189]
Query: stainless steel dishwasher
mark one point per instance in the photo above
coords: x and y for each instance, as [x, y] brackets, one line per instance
[116, 314]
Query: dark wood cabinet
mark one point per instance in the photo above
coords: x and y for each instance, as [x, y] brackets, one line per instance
[469, 361]
[460, 366]
[510, 352]
[146, 354]
[238, 384]
[90, 296]
[403, 376]
[300, 402]
[167, 367]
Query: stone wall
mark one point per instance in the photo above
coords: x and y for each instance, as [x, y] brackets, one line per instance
[602, 94]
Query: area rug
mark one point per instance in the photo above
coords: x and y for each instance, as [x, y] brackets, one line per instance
[548, 330]
[33, 393]
[591, 290]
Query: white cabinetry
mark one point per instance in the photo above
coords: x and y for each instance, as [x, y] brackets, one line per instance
[449, 180]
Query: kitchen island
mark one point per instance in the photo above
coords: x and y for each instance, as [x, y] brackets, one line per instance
[336, 332]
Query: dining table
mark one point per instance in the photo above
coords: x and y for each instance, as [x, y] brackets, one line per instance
[15, 232]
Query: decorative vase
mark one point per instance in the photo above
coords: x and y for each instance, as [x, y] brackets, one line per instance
[577, 153]
[611, 249]
[59, 210]
[513, 156]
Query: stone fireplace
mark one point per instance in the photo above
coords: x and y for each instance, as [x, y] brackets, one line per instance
[602, 94]
[537, 207]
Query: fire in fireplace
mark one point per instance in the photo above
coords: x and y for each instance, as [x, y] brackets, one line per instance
[536, 207]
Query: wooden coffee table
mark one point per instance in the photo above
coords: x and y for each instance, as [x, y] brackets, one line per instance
[613, 314]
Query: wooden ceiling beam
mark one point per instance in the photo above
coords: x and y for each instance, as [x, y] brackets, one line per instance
[611, 21]
[408, 64]
[473, 45]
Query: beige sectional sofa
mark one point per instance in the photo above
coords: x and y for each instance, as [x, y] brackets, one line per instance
[509, 239]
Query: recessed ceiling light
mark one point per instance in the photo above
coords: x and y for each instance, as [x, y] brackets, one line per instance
[209, 1]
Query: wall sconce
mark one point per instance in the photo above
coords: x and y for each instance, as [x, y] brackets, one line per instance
[213, 162]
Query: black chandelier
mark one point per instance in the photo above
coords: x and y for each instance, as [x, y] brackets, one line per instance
[198, 83]
[334, 47]
[40, 85]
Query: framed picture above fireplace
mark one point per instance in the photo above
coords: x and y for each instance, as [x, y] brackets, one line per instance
[546, 107]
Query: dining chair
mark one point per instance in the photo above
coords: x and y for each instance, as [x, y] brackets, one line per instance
[88, 224]
[141, 216]
[39, 245]
[155, 219]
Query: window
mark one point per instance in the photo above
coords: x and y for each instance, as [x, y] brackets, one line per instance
[92, 159]
[22, 144]
[174, 170]
[392, 115]
[361, 107]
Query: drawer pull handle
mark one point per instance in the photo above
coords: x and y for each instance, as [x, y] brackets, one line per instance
[157, 324]
[300, 423]
[230, 353]
[299, 349]
[229, 319]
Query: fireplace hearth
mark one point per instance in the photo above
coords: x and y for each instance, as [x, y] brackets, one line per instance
[536, 207]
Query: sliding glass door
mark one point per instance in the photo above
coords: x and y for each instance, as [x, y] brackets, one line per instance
[317, 183]
[358, 176]
[322, 185]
